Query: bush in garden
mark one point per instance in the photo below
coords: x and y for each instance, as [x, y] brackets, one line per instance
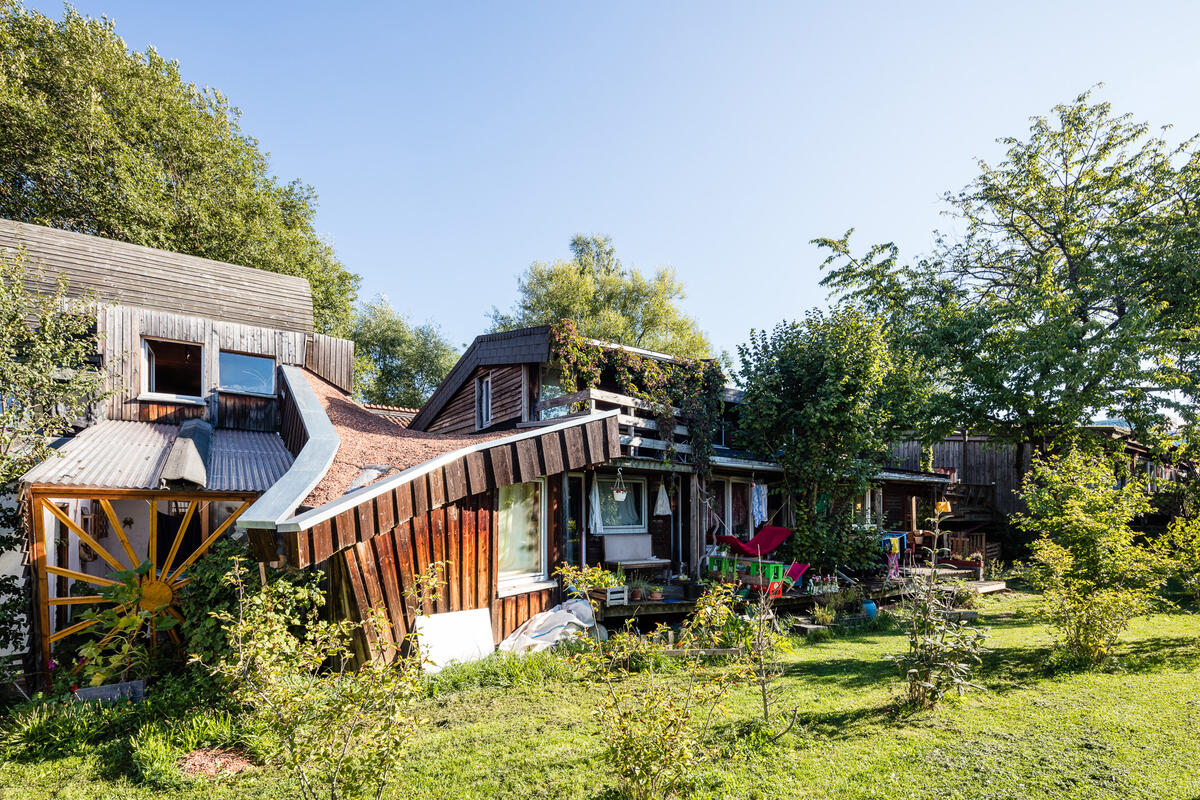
[715, 622]
[1093, 575]
[341, 730]
[941, 654]
[1180, 550]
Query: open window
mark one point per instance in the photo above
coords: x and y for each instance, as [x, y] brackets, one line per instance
[627, 515]
[521, 535]
[483, 401]
[247, 374]
[174, 370]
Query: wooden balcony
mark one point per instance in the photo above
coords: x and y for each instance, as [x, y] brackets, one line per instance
[639, 431]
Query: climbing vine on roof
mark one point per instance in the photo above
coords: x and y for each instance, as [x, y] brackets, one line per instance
[693, 386]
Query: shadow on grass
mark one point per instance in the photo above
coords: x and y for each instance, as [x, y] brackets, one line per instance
[848, 672]
[1008, 668]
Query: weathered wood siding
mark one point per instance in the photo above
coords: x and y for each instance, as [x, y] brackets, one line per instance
[247, 412]
[144, 277]
[509, 401]
[332, 359]
[985, 462]
[121, 332]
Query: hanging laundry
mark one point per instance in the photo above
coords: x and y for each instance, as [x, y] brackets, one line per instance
[758, 503]
[662, 506]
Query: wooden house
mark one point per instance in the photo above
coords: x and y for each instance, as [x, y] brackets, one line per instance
[190, 433]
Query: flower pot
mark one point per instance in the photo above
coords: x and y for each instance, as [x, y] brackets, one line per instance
[619, 495]
[870, 609]
[635, 595]
[655, 596]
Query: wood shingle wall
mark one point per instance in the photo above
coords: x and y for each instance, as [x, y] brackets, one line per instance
[508, 402]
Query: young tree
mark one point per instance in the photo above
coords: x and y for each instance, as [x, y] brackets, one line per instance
[100, 140]
[47, 382]
[1093, 575]
[398, 364]
[606, 301]
[1072, 291]
[825, 398]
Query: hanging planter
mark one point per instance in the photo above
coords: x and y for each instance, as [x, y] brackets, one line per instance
[619, 491]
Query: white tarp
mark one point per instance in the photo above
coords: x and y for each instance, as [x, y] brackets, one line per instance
[596, 517]
[548, 628]
[454, 636]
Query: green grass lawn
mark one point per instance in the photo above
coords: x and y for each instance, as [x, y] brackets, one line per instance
[1128, 732]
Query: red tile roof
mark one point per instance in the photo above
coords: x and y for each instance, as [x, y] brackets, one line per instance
[370, 439]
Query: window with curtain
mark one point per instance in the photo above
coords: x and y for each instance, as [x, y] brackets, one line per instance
[628, 515]
[521, 533]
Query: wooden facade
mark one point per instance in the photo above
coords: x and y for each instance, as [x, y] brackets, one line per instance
[124, 329]
[973, 460]
[442, 513]
[510, 401]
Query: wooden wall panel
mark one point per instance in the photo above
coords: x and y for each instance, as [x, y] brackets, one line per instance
[331, 358]
[509, 404]
[121, 330]
[382, 571]
[247, 412]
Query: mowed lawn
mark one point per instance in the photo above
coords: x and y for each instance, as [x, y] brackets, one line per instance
[1130, 731]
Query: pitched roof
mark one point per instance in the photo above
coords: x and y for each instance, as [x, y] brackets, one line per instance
[130, 455]
[129, 274]
[524, 346]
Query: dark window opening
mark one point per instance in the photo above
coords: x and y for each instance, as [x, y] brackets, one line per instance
[174, 368]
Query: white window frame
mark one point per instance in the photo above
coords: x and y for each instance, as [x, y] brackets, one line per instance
[274, 378]
[148, 366]
[645, 526]
[529, 582]
[483, 420]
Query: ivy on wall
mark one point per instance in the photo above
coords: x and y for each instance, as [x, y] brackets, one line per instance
[693, 386]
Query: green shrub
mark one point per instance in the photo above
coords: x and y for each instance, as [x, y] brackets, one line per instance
[1180, 549]
[1093, 575]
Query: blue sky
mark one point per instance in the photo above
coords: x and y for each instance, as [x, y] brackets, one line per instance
[452, 144]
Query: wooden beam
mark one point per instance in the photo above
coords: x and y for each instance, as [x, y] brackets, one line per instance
[82, 534]
[119, 531]
[207, 543]
[63, 572]
[183, 526]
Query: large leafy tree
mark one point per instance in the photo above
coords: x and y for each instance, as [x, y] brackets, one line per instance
[1071, 292]
[47, 383]
[399, 364]
[824, 398]
[100, 140]
[606, 301]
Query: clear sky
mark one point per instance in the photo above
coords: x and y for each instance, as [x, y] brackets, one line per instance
[453, 143]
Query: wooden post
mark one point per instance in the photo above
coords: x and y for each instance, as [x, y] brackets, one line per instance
[695, 528]
[41, 594]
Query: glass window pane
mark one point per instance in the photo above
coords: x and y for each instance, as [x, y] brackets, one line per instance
[242, 373]
[716, 509]
[626, 513]
[519, 532]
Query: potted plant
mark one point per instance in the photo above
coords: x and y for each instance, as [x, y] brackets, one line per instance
[637, 590]
[655, 594]
[977, 558]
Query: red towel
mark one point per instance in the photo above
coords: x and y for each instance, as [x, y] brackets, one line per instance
[765, 541]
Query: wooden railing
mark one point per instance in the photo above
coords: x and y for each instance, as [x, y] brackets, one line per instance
[638, 431]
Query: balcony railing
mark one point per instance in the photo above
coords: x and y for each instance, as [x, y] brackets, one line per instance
[638, 431]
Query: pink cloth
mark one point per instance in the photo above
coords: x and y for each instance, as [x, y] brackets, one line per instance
[765, 541]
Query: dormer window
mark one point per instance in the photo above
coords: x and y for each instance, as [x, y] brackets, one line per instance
[174, 370]
[483, 402]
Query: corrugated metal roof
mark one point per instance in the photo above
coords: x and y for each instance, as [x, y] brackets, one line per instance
[129, 455]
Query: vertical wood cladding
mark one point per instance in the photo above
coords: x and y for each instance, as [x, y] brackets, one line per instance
[508, 401]
[122, 330]
[247, 412]
[382, 570]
